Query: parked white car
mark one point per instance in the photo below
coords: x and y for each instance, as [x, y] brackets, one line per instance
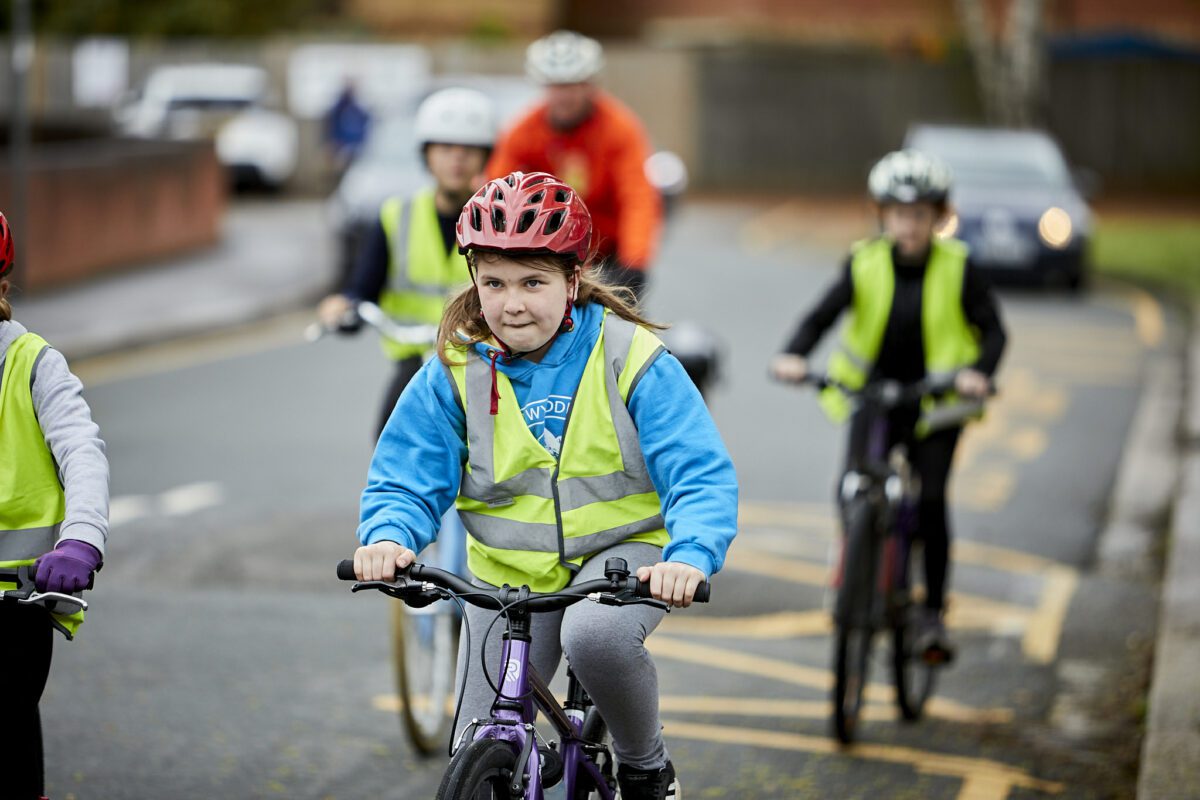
[229, 103]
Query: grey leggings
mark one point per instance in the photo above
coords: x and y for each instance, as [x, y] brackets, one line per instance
[605, 646]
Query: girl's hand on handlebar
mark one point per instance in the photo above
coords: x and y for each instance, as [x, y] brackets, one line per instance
[972, 383]
[379, 561]
[789, 368]
[672, 582]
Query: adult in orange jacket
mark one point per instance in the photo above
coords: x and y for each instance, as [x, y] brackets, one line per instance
[595, 144]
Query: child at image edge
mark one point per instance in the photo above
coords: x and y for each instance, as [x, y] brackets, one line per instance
[53, 514]
[534, 343]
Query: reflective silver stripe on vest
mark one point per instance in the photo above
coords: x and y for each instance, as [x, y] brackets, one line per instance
[28, 543]
[399, 279]
[573, 493]
[861, 363]
[507, 534]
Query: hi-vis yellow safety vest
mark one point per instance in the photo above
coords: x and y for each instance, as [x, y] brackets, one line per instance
[421, 272]
[32, 503]
[951, 343]
[532, 519]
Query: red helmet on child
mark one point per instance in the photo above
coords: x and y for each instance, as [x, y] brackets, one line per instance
[7, 248]
[528, 213]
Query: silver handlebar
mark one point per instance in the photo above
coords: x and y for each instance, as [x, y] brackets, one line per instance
[387, 327]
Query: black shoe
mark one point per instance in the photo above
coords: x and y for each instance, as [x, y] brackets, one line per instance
[648, 784]
[933, 643]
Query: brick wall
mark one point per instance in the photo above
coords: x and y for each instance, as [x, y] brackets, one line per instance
[95, 207]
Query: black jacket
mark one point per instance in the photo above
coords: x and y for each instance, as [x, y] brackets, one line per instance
[902, 353]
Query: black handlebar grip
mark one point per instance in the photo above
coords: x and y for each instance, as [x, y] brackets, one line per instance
[702, 591]
[345, 570]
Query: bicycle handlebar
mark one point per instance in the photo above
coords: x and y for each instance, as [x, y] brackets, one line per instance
[890, 392]
[377, 318]
[497, 599]
[27, 594]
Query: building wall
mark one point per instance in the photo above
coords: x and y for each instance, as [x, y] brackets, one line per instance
[103, 205]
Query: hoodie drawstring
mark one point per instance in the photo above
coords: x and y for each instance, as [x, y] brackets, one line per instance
[493, 354]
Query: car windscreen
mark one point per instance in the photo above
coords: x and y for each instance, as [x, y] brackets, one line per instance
[997, 160]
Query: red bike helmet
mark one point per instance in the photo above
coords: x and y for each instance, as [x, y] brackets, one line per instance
[528, 213]
[7, 248]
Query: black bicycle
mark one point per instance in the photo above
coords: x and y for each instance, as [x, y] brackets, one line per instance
[505, 756]
[879, 573]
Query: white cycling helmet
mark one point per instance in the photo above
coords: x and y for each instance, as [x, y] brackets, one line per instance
[456, 116]
[909, 176]
[563, 57]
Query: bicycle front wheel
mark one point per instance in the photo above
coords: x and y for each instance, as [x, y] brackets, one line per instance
[855, 632]
[425, 651]
[851, 669]
[482, 770]
[915, 677]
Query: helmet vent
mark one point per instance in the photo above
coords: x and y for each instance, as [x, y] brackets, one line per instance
[498, 219]
[555, 222]
[476, 219]
[526, 219]
[511, 181]
[561, 195]
[536, 180]
[536, 198]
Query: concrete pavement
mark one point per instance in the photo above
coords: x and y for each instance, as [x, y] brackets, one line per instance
[274, 256]
[1170, 766]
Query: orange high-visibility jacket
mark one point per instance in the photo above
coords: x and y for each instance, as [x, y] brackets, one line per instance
[604, 160]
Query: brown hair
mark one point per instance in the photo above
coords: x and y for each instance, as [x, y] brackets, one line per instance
[5, 308]
[463, 324]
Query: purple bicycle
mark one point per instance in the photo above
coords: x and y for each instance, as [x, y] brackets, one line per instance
[503, 758]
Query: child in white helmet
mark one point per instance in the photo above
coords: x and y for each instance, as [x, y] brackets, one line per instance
[409, 263]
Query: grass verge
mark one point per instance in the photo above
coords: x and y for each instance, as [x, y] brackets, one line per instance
[1159, 252]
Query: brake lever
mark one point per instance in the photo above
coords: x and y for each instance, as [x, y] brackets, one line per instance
[607, 599]
[55, 597]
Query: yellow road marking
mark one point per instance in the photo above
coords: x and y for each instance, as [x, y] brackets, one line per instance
[1045, 628]
[1042, 626]
[780, 625]
[986, 489]
[790, 514]
[807, 709]
[1145, 309]
[982, 779]
[966, 609]
[810, 677]
[744, 559]
[184, 353]
[393, 703]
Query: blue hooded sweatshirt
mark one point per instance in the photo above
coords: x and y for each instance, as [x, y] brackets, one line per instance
[418, 462]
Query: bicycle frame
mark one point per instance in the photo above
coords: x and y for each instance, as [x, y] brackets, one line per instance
[897, 520]
[513, 714]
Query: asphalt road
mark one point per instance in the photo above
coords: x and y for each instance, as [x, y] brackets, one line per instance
[222, 659]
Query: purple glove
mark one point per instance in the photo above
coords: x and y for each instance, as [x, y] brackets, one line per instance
[67, 568]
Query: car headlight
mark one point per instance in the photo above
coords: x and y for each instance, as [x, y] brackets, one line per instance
[1055, 228]
[948, 228]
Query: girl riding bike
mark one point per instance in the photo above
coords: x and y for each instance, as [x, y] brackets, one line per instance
[917, 308]
[568, 436]
[53, 519]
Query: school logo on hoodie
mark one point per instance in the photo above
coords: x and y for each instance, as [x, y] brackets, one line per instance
[546, 419]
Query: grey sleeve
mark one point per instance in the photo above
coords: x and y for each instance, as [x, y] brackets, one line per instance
[74, 440]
